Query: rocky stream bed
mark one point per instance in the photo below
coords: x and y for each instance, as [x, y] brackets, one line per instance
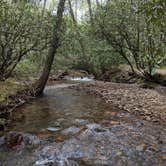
[70, 127]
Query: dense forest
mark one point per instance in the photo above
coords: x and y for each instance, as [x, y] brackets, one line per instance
[117, 46]
[94, 36]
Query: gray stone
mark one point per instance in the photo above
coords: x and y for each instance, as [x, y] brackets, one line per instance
[71, 130]
[53, 129]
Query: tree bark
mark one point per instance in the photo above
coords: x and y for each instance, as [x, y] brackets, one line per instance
[90, 12]
[44, 7]
[80, 39]
[98, 4]
[40, 85]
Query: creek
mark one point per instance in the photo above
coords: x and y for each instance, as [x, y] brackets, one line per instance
[66, 127]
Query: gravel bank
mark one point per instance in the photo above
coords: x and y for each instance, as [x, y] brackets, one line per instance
[149, 104]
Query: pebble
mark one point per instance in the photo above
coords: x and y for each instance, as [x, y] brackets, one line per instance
[71, 130]
[2, 140]
[140, 147]
[53, 129]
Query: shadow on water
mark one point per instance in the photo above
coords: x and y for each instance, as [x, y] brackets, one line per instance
[77, 129]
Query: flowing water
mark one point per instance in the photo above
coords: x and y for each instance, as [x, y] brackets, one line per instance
[66, 127]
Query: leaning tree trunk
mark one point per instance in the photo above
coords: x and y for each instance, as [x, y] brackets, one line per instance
[40, 85]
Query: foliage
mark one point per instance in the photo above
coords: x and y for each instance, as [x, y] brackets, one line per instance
[155, 11]
[113, 33]
[2, 121]
[22, 31]
[132, 35]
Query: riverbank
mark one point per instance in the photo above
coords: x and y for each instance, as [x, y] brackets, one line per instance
[150, 104]
[133, 98]
[13, 94]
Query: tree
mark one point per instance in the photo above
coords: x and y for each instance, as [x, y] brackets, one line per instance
[90, 12]
[44, 7]
[40, 85]
[135, 39]
[80, 39]
[20, 34]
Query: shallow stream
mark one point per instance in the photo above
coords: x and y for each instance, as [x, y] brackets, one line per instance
[66, 127]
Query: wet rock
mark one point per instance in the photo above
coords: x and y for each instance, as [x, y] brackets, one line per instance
[81, 121]
[99, 130]
[139, 124]
[44, 163]
[57, 124]
[14, 139]
[53, 129]
[60, 120]
[2, 141]
[93, 126]
[110, 113]
[96, 128]
[164, 157]
[95, 132]
[66, 162]
[119, 153]
[113, 122]
[71, 130]
[140, 147]
[47, 155]
[31, 141]
[65, 153]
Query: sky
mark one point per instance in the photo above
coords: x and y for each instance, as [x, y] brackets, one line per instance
[82, 6]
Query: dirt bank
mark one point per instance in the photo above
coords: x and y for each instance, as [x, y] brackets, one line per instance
[12, 95]
[148, 103]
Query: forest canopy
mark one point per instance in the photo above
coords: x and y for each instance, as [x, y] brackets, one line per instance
[95, 36]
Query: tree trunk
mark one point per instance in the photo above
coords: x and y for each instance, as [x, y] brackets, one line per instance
[98, 4]
[40, 85]
[90, 12]
[80, 39]
[44, 7]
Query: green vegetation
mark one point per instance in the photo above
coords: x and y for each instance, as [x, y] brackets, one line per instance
[94, 36]
[9, 88]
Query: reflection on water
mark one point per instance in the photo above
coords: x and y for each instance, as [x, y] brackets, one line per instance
[81, 79]
[82, 130]
[58, 107]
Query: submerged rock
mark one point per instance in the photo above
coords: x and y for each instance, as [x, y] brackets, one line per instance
[81, 121]
[31, 140]
[71, 130]
[95, 132]
[16, 140]
[53, 129]
[140, 147]
[2, 140]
